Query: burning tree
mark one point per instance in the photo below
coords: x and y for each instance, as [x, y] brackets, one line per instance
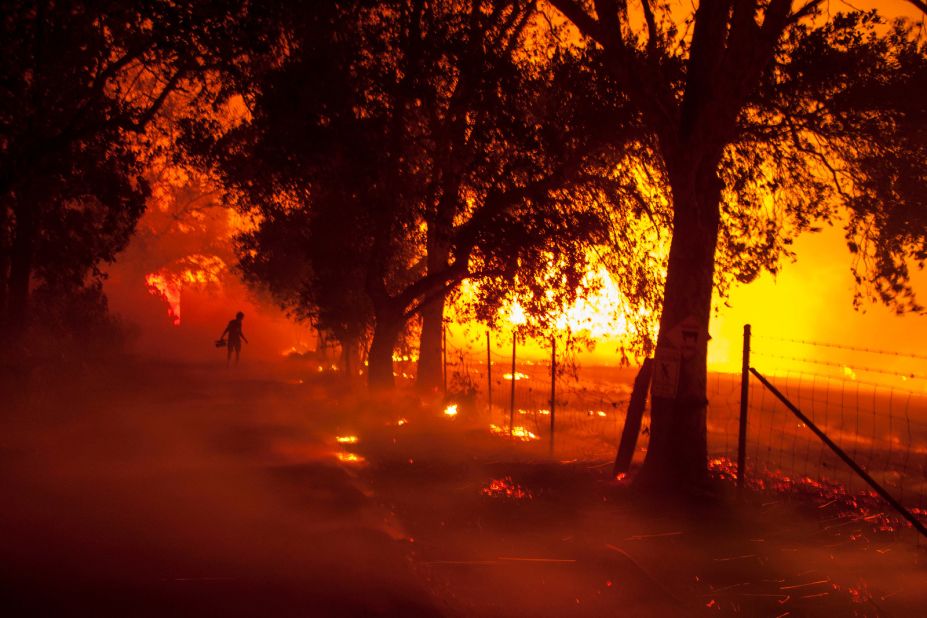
[764, 118]
[401, 148]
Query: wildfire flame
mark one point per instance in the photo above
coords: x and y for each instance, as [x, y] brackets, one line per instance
[346, 439]
[160, 284]
[350, 458]
[451, 410]
[196, 270]
[518, 376]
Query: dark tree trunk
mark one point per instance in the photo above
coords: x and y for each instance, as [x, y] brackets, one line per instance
[4, 262]
[632, 421]
[20, 270]
[350, 356]
[430, 373]
[389, 324]
[677, 454]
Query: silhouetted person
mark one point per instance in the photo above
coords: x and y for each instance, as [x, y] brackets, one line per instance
[236, 336]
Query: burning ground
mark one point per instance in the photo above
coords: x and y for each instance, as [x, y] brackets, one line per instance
[167, 489]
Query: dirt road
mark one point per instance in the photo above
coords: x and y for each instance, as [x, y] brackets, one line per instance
[158, 489]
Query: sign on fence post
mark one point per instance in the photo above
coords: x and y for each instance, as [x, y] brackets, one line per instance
[744, 400]
[666, 373]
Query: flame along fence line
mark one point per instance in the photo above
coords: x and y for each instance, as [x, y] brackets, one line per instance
[865, 400]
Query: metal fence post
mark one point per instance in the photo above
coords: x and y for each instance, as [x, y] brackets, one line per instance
[553, 388]
[744, 401]
[489, 373]
[512, 396]
[444, 357]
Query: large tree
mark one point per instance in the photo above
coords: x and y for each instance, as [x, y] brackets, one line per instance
[425, 146]
[764, 118]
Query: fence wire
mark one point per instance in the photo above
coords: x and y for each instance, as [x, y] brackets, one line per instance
[868, 405]
[866, 400]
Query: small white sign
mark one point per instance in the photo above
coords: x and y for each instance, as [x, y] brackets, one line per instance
[665, 382]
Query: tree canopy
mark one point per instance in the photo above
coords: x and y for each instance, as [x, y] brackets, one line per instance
[427, 147]
[765, 119]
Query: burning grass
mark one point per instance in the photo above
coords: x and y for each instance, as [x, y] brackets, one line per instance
[353, 458]
[506, 488]
[518, 432]
[846, 507]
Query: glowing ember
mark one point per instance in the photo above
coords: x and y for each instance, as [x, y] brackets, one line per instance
[346, 439]
[402, 422]
[506, 488]
[350, 458]
[451, 410]
[518, 376]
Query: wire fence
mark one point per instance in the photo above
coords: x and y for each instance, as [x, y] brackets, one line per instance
[870, 402]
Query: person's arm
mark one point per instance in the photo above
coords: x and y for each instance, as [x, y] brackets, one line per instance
[222, 336]
[243, 338]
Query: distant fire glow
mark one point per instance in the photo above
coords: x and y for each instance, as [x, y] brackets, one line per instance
[451, 410]
[518, 376]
